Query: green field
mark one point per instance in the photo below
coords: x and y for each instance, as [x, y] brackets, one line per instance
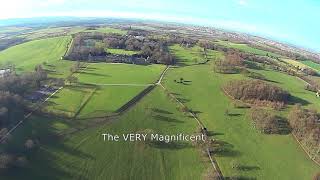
[311, 64]
[108, 99]
[30, 54]
[84, 155]
[68, 101]
[110, 87]
[122, 52]
[104, 73]
[191, 56]
[108, 30]
[260, 155]
[246, 48]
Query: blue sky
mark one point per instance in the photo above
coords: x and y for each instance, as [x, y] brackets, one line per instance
[292, 21]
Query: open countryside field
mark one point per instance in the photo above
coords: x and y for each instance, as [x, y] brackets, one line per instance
[108, 30]
[108, 99]
[103, 89]
[191, 56]
[84, 155]
[246, 48]
[104, 73]
[259, 154]
[69, 100]
[30, 54]
[311, 64]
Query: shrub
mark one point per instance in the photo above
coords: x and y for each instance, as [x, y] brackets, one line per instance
[267, 122]
[306, 126]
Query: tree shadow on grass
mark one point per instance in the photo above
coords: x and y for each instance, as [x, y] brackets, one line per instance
[95, 74]
[157, 110]
[167, 119]
[44, 160]
[170, 145]
[212, 133]
[239, 178]
[175, 94]
[225, 149]
[248, 168]
[297, 100]
[183, 100]
[253, 65]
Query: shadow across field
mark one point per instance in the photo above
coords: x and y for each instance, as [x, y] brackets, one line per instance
[157, 110]
[95, 74]
[167, 119]
[170, 145]
[296, 100]
[225, 149]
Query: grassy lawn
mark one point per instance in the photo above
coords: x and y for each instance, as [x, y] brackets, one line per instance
[69, 100]
[103, 73]
[108, 99]
[122, 52]
[27, 55]
[246, 48]
[84, 155]
[190, 56]
[261, 155]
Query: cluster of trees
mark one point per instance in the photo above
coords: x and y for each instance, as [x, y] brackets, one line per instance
[248, 90]
[232, 63]
[12, 89]
[85, 45]
[12, 110]
[267, 122]
[306, 127]
[17, 160]
[88, 45]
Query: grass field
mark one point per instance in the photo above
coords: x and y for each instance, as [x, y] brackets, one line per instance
[108, 30]
[122, 52]
[191, 56]
[108, 99]
[69, 100]
[259, 155]
[311, 64]
[246, 48]
[27, 55]
[84, 155]
[103, 73]
[100, 98]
